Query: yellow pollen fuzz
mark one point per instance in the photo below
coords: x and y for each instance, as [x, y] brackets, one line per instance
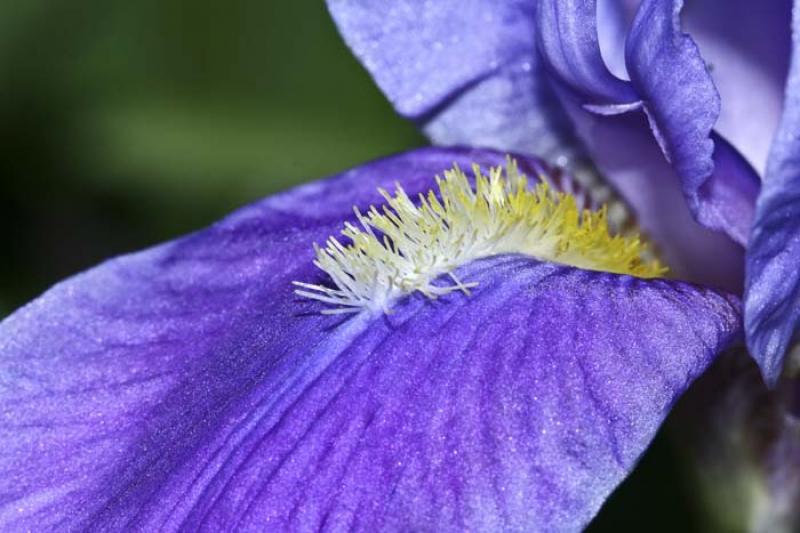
[403, 247]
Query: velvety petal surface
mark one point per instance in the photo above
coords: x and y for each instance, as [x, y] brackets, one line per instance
[186, 386]
[772, 300]
[682, 105]
[467, 73]
[681, 101]
[421, 52]
[514, 109]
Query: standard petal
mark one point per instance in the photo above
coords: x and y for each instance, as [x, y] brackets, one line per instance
[493, 92]
[467, 73]
[186, 386]
[421, 53]
[682, 105]
[728, 195]
[514, 109]
[568, 39]
[772, 298]
[671, 84]
[679, 96]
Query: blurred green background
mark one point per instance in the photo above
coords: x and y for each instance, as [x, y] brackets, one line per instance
[127, 123]
[124, 124]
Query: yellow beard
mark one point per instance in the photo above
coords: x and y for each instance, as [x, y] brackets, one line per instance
[415, 244]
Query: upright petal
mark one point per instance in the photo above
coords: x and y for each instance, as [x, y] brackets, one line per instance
[514, 109]
[420, 53]
[569, 41]
[187, 387]
[772, 300]
[466, 72]
[669, 81]
[682, 105]
[679, 96]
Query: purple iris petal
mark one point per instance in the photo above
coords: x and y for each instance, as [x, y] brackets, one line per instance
[493, 91]
[510, 110]
[568, 37]
[681, 101]
[467, 73]
[187, 386]
[728, 195]
[453, 45]
[772, 298]
[682, 105]
[670, 83]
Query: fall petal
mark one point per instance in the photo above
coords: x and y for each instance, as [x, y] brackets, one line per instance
[187, 386]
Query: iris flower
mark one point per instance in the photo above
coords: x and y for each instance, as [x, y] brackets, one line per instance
[484, 356]
[693, 129]
[665, 115]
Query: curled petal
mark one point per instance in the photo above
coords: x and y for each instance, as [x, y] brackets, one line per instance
[772, 298]
[186, 387]
[679, 96]
[569, 42]
[493, 91]
[670, 82]
[682, 105]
